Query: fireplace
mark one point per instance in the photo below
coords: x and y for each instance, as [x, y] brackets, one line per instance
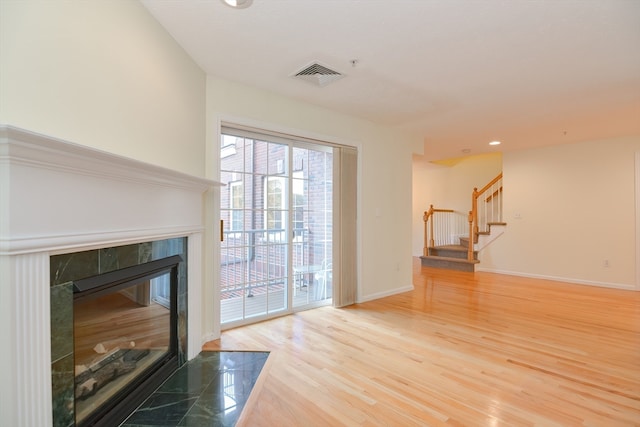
[132, 213]
[125, 333]
[124, 338]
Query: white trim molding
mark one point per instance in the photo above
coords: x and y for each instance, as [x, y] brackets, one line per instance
[624, 286]
[57, 195]
[389, 293]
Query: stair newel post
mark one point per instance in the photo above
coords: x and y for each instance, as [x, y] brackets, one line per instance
[471, 235]
[425, 218]
[432, 242]
[474, 210]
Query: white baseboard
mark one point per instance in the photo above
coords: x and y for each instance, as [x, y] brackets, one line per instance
[209, 337]
[385, 294]
[628, 287]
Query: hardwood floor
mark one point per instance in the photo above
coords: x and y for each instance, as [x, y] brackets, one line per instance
[473, 349]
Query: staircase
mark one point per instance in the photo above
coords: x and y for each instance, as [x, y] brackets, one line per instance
[451, 244]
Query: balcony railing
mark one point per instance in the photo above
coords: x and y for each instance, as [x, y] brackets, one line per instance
[252, 259]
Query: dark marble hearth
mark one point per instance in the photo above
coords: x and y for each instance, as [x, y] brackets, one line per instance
[210, 390]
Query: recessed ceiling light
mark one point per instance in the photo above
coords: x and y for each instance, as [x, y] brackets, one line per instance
[238, 4]
[494, 143]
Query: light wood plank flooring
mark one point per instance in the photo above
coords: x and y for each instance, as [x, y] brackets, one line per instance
[473, 349]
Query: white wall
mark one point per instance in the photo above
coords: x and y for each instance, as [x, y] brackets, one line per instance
[429, 182]
[385, 172]
[102, 74]
[106, 75]
[448, 186]
[577, 209]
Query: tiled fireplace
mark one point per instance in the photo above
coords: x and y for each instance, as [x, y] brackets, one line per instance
[62, 203]
[118, 328]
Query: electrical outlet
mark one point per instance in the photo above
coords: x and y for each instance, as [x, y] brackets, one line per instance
[605, 263]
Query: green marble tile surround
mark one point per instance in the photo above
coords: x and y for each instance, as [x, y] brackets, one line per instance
[210, 390]
[66, 268]
[62, 366]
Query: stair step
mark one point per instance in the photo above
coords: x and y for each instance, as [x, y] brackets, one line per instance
[464, 241]
[449, 263]
[451, 251]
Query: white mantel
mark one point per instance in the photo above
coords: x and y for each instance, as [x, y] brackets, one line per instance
[58, 197]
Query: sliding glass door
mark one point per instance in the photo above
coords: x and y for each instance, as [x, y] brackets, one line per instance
[312, 244]
[276, 208]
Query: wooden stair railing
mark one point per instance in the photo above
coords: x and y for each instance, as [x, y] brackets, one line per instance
[478, 219]
[488, 194]
[429, 241]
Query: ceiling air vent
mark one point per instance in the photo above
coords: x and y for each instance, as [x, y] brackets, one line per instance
[318, 75]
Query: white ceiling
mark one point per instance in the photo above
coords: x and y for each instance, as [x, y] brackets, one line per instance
[461, 73]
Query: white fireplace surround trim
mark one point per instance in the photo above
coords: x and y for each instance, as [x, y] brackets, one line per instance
[55, 178]
[59, 197]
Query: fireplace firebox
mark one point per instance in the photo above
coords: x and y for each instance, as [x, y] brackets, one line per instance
[125, 339]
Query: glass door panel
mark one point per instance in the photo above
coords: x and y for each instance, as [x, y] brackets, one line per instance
[312, 219]
[254, 210]
[276, 212]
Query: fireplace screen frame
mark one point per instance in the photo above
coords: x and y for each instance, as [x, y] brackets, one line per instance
[125, 400]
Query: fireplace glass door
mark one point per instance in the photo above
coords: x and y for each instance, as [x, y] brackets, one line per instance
[123, 333]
